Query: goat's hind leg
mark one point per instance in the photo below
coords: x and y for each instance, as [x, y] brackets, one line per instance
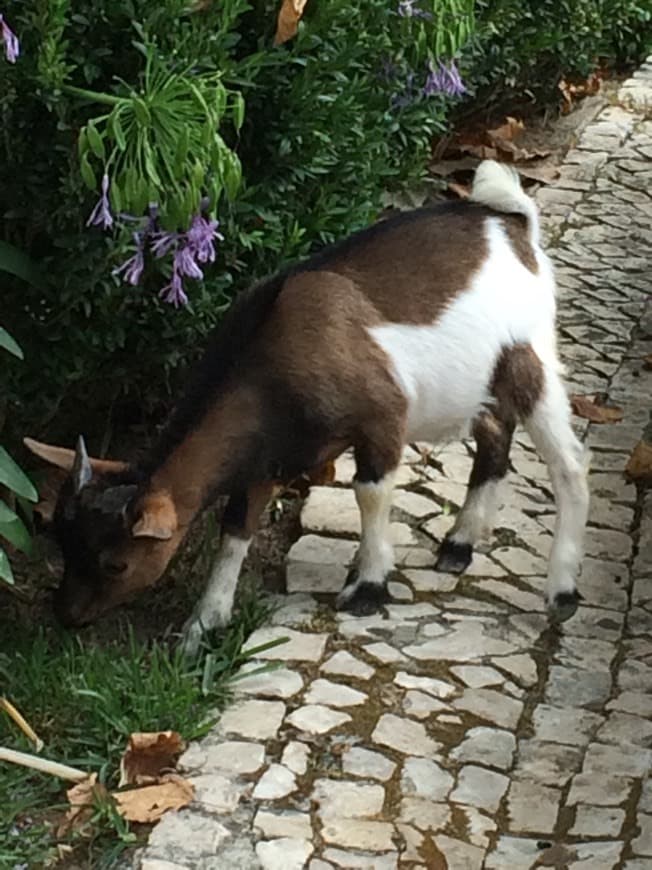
[366, 586]
[492, 430]
[549, 426]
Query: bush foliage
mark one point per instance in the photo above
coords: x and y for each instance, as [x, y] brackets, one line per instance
[289, 147]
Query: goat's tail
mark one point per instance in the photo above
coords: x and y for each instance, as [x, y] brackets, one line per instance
[498, 186]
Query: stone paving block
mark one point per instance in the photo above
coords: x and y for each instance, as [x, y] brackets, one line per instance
[404, 735]
[319, 564]
[342, 663]
[299, 646]
[480, 787]
[256, 720]
[532, 807]
[285, 853]
[489, 746]
[597, 821]
[367, 763]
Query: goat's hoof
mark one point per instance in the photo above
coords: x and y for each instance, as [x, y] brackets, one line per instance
[564, 605]
[366, 598]
[453, 558]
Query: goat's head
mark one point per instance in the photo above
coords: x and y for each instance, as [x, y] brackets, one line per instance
[116, 535]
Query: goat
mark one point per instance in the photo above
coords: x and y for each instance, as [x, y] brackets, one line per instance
[411, 329]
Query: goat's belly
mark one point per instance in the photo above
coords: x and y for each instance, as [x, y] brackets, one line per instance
[445, 368]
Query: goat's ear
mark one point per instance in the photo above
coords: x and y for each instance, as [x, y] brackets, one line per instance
[157, 517]
[64, 458]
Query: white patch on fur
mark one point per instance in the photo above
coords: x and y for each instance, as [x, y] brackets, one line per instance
[375, 558]
[445, 368]
[216, 603]
[475, 521]
[552, 433]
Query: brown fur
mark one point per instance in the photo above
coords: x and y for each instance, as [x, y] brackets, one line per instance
[516, 228]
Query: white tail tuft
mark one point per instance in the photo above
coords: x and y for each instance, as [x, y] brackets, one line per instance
[497, 186]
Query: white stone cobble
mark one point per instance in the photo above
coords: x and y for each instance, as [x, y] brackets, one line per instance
[456, 728]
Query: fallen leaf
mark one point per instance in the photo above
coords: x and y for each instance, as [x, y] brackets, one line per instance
[148, 756]
[288, 20]
[507, 131]
[639, 465]
[647, 362]
[82, 797]
[147, 803]
[589, 409]
[556, 856]
[544, 174]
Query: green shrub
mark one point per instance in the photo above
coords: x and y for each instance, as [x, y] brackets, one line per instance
[321, 127]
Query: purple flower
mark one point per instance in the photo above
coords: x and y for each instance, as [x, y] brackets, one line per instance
[184, 262]
[132, 269]
[174, 292]
[445, 80]
[409, 9]
[201, 238]
[163, 242]
[101, 214]
[12, 46]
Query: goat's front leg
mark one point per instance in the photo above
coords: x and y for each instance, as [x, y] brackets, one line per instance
[239, 523]
[366, 586]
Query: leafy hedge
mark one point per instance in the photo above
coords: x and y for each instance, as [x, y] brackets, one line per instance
[288, 147]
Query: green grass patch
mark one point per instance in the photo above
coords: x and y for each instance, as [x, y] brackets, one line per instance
[84, 701]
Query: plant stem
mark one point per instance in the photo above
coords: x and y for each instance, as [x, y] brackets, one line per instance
[93, 96]
[42, 764]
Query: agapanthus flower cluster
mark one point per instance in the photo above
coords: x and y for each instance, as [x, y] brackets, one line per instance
[411, 9]
[189, 249]
[10, 40]
[444, 80]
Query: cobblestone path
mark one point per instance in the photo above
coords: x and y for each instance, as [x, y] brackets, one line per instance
[458, 729]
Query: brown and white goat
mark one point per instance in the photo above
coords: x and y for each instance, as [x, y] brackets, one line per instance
[409, 330]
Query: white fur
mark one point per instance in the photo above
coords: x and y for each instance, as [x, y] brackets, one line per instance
[375, 557]
[216, 604]
[498, 186]
[552, 433]
[445, 368]
[475, 521]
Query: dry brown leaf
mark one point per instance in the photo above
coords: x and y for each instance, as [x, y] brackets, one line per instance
[289, 17]
[544, 174]
[148, 756]
[511, 129]
[81, 798]
[639, 465]
[647, 362]
[148, 802]
[557, 856]
[589, 409]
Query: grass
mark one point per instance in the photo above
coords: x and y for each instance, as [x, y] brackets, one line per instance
[84, 700]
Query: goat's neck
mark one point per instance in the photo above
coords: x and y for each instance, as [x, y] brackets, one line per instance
[209, 456]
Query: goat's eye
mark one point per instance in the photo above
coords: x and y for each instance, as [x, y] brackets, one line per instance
[115, 567]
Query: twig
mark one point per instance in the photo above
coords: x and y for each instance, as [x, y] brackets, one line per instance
[42, 765]
[22, 723]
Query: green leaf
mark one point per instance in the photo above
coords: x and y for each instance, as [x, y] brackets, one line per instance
[16, 533]
[141, 112]
[115, 126]
[6, 573]
[16, 263]
[13, 477]
[238, 111]
[6, 513]
[232, 174]
[95, 141]
[87, 172]
[8, 343]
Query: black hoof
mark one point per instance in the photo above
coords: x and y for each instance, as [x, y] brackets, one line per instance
[454, 558]
[564, 606]
[368, 598]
